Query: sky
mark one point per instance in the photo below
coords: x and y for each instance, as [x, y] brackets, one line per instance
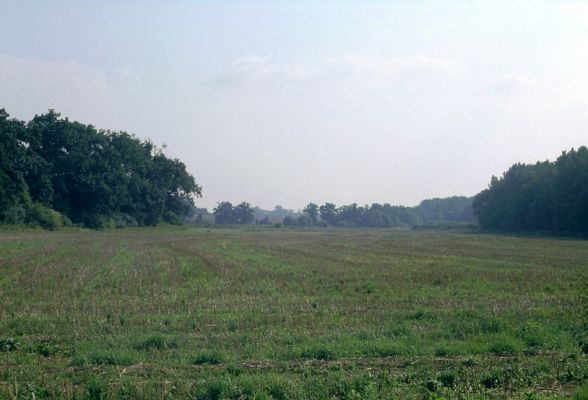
[288, 102]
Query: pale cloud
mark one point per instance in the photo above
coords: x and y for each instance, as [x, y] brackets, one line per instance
[508, 85]
[359, 65]
[254, 69]
[50, 76]
[80, 91]
[35, 86]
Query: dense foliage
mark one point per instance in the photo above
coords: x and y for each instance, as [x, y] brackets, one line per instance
[548, 196]
[54, 170]
[452, 209]
[226, 213]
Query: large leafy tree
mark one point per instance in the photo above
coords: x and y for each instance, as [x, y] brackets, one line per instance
[13, 188]
[224, 213]
[94, 177]
[549, 196]
[244, 213]
[328, 212]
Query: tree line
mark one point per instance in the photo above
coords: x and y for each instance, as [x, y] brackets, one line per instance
[546, 196]
[54, 171]
[453, 209]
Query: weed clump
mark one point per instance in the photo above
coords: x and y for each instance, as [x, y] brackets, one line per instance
[318, 353]
[108, 359]
[156, 342]
[441, 352]
[212, 391]
[9, 344]
[448, 378]
[95, 390]
[504, 348]
[211, 358]
[493, 379]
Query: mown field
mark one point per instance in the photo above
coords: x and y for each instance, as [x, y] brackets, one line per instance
[178, 313]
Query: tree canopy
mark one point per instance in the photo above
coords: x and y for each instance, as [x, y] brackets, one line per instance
[226, 213]
[547, 196]
[97, 178]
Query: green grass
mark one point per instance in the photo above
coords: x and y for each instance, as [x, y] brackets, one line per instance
[286, 314]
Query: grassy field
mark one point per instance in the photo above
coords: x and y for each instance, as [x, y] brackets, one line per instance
[180, 313]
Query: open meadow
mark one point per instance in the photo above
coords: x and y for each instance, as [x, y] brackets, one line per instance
[194, 313]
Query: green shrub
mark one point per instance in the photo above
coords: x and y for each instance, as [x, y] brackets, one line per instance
[46, 218]
[123, 221]
[13, 215]
[172, 218]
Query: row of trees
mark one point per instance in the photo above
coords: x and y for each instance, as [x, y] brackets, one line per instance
[453, 209]
[548, 196]
[54, 170]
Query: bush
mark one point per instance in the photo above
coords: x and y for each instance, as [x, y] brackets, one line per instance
[96, 221]
[123, 221]
[13, 215]
[172, 218]
[39, 215]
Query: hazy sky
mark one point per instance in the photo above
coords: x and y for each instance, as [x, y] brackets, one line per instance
[286, 102]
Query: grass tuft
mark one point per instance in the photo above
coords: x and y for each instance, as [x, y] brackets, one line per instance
[210, 357]
[156, 342]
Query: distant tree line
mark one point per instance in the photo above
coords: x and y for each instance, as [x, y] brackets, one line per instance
[55, 171]
[456, 209]
[453, 209]
[546, 196]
